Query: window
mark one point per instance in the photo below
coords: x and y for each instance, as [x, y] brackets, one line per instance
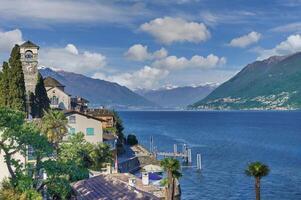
[71, 131]
[72, 119]
[54, 100]
[90, 131]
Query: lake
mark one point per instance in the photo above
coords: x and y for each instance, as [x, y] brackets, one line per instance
[228, 141]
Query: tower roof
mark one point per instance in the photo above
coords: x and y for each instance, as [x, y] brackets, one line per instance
[29, 44]
[51, 82]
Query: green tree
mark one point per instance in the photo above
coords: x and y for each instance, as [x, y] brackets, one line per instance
[41, 101]
[78, 150]
[4, 85]
[16, 136]
[54, 127]
[172, 168]
[257, 170]
[17, 92]
[101, 154]
[119, 126]
[131, 140]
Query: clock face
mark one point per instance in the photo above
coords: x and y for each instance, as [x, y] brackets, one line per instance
[28, 55]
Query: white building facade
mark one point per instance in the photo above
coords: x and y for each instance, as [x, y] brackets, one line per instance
[90, 126]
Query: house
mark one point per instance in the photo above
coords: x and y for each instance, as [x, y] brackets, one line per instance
[89, 125]
[106, 115]
[115, 186]
[79, 104]
[59, 99]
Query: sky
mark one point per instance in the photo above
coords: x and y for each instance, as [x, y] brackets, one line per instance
[150, 44]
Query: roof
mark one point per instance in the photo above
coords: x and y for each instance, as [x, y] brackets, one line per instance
[79, 100]
[29, 44]
[109, 136]
[100, 112]
[112, 186]
[70, 112]
[51, 82]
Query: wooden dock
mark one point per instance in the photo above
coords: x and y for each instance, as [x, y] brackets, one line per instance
[172, 154]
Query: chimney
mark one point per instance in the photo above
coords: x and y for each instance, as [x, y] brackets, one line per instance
[132, 181]
[145, 178]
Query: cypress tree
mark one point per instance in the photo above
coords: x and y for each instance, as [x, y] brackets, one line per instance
[17, 94]
[4, 85]
[41, 102]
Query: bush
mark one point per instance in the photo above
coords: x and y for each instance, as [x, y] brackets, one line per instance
[132, 140]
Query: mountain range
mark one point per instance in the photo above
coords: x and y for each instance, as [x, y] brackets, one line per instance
[99, 92]
[179, 97]
[273, 83]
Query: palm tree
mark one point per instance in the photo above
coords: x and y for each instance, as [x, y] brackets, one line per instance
[54, 126]
[257, 170]
[172, 167]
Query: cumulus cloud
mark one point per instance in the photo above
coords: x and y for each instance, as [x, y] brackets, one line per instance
[71, 59]
[292, 44]
[146, 77]
[245, 40]
[168, 30]
[8, 39]
[197, 61]
[138, 52]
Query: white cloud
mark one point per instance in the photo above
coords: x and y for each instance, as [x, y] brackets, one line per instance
[8, 39]
[226, 17]
[168, 30]
[245, 40]
[146, 78]
[200, 62]
[292, 27]
[71, 59]
[138, 52]
[61, 11]
[72, 49]
[292, 44]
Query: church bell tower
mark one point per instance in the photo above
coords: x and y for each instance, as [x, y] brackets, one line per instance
[29, 59]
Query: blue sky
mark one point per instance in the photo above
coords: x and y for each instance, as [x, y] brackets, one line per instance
[152, 43]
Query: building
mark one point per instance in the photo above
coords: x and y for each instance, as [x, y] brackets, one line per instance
[56, 93]
[103, 114]
[29, 59]
[90, 126]
[79, 104]
[115, 186]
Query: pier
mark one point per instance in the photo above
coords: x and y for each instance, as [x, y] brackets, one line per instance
[185, 154]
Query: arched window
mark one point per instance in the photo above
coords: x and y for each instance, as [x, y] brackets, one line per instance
[54, 100]
[28, 54]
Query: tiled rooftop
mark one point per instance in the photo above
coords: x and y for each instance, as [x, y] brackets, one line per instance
[114, 187]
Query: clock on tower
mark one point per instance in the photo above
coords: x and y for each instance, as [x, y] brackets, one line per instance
[29, 59]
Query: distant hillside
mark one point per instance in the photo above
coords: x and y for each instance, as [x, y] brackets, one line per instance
[274, 83]
[98, 92]
[177, 97]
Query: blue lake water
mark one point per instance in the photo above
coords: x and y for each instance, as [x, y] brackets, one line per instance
[227, 142]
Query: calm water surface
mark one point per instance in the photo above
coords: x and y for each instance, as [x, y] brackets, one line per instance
[227, 142]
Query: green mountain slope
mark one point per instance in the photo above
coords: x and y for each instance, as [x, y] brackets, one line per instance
[274, 83]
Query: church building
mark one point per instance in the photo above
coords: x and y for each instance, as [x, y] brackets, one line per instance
[29, 59]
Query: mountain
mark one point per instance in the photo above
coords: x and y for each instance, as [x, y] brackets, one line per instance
[274, 83]
[98, 92]
[178, 97]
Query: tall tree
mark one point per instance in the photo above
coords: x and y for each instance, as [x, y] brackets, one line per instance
[17, 93]
[54, 127]
[172, 167]
[4, 85]
[41, 101]
[257, 170]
